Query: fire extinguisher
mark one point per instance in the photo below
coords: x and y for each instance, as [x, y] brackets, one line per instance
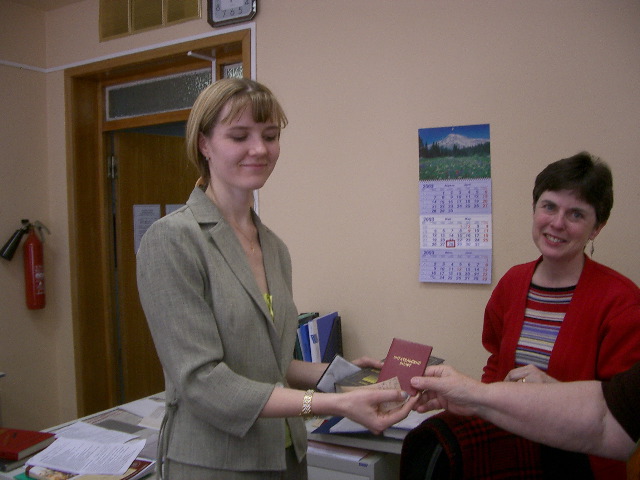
[33, 260]
[34, 267]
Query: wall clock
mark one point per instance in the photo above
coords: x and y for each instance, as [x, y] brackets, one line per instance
[225, 12]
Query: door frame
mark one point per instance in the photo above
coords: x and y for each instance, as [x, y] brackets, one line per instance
[90, 229]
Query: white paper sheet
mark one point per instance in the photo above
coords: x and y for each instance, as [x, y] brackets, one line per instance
[411, 421]
[84, 457]
[92, 433]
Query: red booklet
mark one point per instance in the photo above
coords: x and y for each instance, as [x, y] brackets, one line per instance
[16, 444]
[405, 360]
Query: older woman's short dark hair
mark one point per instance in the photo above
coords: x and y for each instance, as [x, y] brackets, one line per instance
[588, 176]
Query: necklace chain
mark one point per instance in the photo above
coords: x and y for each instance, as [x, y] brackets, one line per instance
[251, 242]
[236, 228]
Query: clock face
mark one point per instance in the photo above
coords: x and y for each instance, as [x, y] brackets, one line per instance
[223, 12]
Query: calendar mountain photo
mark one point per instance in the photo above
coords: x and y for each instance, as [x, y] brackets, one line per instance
[454, 152]
[455, 141]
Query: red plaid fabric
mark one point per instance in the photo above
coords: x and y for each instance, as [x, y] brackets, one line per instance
[472, 449]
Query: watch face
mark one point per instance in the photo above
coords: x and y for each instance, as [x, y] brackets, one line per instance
[230, 11]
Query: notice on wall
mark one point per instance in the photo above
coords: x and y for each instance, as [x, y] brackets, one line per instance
[143, 217]
[455, 204]
[172, 207]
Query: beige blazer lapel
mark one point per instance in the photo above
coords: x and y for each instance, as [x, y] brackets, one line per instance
[209, 217]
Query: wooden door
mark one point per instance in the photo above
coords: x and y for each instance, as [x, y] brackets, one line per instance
[151, 170]
[90, 211]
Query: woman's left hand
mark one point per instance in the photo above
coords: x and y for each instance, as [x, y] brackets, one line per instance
[363, 406]
[367, 362]
[528, 374]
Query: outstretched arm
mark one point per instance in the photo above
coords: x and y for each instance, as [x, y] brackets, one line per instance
[569, 415]
[361, 405]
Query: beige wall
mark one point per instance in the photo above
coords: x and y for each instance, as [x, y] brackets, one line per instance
[357, 79]
[28, 339]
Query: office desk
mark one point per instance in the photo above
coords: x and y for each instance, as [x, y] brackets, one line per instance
[120, 418]
[382, 462]
[370, 466]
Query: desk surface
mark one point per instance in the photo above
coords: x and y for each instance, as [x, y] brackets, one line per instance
[116, 415]
[367, 441]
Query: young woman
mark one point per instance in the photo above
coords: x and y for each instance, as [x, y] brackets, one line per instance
[215, 285]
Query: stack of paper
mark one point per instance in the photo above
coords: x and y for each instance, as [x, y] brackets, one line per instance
[119, 444]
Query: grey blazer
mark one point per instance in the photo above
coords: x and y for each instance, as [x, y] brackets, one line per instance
[221, 352]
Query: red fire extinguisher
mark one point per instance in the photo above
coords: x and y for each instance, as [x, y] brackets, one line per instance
[34, 267]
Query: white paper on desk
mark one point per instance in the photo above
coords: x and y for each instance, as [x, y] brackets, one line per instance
[411, 421]
[93, 433]
[154, 419]
[143, 407]
[338, 369]
[347, 425]
[89, 458]
[414, 419]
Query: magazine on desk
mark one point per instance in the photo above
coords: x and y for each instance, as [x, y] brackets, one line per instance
[138, 469]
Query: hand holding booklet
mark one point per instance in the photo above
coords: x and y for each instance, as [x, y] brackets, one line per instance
[405, 360]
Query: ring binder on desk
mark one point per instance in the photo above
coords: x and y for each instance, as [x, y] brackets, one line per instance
[319, 337]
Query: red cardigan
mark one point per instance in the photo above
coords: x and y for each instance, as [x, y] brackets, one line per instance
[599, 337]
[600, 334]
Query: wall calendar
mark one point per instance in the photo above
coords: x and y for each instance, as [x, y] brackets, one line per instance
[455, 204]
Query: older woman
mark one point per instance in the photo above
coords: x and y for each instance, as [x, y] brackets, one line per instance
[565, 317]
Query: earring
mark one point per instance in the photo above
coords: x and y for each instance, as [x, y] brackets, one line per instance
[592, 247]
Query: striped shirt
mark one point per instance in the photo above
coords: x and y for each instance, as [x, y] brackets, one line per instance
[543, 316]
